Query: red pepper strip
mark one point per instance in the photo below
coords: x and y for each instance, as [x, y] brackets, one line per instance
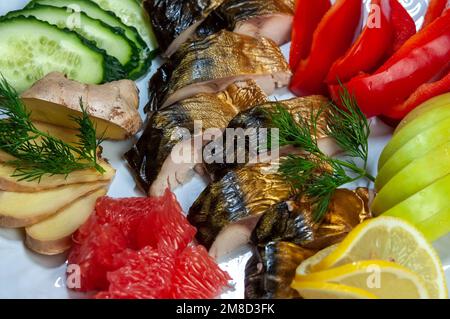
[306, 19]
[435, 10]
[423, 93]
[403, 24]
[421, 59]
[370, 49]
[332, 38]
[418, 40]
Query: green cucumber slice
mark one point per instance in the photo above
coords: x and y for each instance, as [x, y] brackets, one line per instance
[132, 13]
[94, 11]
[30, 49]
[105, 37]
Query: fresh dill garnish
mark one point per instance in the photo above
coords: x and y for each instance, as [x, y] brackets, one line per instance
[349, 128]
[317, 175]
[37, 153]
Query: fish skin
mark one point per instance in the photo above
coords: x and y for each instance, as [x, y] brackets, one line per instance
[269, 272]
[290, 4]
[234, 13]
[285, 221]
[257, 118]
[215, 62]
[243, 193]
[171, 18]
[293, 220]
[286, 235]
[241, 10]
[158, 86]
[161, 135]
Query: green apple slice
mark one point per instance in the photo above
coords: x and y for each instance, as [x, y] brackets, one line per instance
[436, 226]
[412, 129]
[415, 148]
[424, 204]
[413, 178]
[428, 106]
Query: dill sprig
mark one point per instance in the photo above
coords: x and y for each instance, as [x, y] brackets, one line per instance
[318, 175]
[349, 127]
[37, 153]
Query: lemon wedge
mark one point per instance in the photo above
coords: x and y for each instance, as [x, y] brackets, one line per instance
[307, 265]
[327, 290]
[384, 279]
[391, 239]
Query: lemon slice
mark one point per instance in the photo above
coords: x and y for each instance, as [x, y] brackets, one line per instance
[391, 239]
[306, 266]
[327, 290]
[384, 279]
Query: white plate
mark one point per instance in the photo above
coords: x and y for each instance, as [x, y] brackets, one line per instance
[24, 274]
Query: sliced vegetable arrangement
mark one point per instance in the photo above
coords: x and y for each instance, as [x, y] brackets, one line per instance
[51, 177]
[78, 38]
[112, 107]
[91, 9]
[104, 36]
[389, 68]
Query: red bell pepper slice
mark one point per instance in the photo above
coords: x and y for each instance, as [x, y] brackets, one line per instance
[435, 10]
[403, 24]
[332, 38]
[370, 49]
[421, 59]
[306, 19]
[389, 26]
[423, 93]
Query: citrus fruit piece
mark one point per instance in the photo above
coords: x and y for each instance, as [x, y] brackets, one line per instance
[306, 266]
[150, 274]
[129, 223]
[144, 274]
[95, 254]
[147, 221]
[384, 279]
[327, 290]
[391, 239]
[197, 276]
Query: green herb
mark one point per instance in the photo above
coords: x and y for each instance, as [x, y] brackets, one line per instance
[318, 175]
[37, 153]
[349, 127]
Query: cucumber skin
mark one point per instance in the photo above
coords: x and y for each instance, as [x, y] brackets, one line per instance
[146, 26]
[145, 55]
[113, 69]
[131, 65]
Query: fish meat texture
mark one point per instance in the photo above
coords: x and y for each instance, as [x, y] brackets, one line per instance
[286, 235]
[152, 158]
[293, 220]
[258, 118]
[175, 21]
[240, 196]
[271, 269]
[257, 18]
[212, 64]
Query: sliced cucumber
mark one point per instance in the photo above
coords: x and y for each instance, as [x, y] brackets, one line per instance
[107, 38]
[132, 13]
[94, 11]
[30, 49]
